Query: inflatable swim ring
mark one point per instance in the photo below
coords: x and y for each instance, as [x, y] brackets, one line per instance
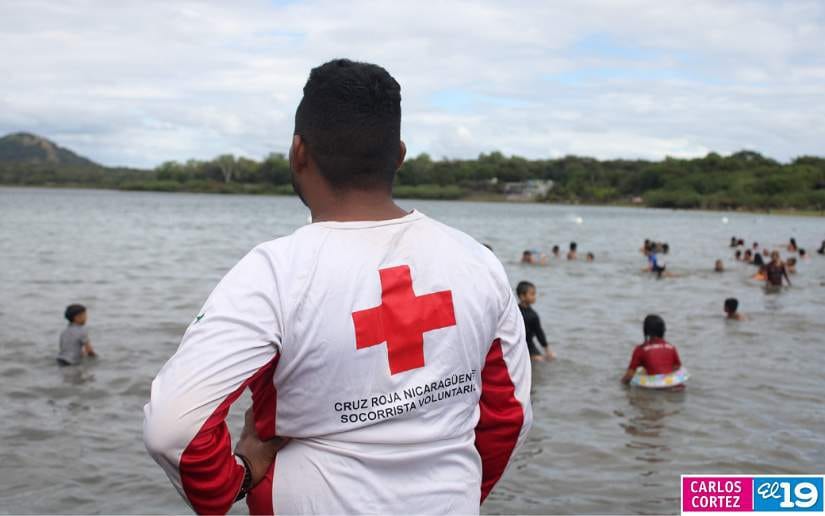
[660, 381]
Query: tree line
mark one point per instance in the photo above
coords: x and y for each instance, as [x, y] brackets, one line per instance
[744, 180]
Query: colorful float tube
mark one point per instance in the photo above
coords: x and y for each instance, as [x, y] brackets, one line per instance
[660, 381]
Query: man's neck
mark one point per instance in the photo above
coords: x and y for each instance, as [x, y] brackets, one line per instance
[356, 206]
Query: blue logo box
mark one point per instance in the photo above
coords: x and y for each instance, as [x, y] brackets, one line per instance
[787, 494]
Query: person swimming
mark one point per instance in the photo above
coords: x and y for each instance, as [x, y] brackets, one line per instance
[719, 266]
[731, 309]
[738, 255]
[556, 252]
[748, 256]
[792, 245]
[74, 340]
[526, 293]
[571, 254]
[776, 270]
[733, 241]
[655, 354]
[533, 257]
[791, 264]
[655, 264]
[757, 260]
[591, 257]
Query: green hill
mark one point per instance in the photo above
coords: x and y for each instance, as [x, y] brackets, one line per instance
[34, 150]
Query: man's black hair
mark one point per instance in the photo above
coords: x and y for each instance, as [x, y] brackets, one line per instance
[573, 246]
[350, 121]
[654, 326]
[73, 311]
[731, 305]
[555, 248]
[802, 252]
[523, 287]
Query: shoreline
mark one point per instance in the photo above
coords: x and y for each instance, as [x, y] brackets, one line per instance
[472, 197]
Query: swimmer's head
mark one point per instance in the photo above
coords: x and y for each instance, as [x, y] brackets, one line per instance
[802, 253]
[731, 305]
[526, 292]
[738, 254]
[555, 249]
[573, 246]
[665, 248]
[591, 257]
[793, 241]
[526, 257]
[719, 266]
[654, 326]
[75, 314]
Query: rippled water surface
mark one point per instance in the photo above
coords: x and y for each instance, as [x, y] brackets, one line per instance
[143, 263]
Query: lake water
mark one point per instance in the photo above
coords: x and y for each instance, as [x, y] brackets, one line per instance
[143, 263]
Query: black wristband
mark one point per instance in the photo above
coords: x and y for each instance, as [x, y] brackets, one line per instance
[247, 478]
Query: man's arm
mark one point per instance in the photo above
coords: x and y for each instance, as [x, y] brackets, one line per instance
[232, 346]
[505, 414]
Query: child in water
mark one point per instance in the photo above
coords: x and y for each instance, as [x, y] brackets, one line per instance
[655, 354]
[533, 257]
[731, 310]
[526, 293]
[571, 254]
[74, 341]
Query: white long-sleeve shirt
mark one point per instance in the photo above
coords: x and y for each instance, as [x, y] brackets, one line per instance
[391, 352]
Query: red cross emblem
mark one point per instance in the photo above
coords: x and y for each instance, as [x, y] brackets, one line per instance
[402, 318]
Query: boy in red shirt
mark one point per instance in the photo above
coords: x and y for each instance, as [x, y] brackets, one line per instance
[655, 354]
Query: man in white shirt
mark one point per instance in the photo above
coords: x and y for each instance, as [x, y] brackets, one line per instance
[385, 351]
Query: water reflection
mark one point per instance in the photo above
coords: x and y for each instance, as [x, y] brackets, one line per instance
[647, 426]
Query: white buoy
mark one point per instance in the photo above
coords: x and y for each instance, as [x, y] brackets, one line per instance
[579, 220]
[724, 220]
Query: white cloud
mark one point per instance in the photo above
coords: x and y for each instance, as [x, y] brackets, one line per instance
[139, 83]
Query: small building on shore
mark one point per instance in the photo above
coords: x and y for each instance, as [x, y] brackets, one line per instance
[530, 190]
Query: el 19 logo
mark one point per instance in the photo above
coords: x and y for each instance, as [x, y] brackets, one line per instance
[787, 494]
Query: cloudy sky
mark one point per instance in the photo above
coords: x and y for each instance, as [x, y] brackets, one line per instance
[138, 83]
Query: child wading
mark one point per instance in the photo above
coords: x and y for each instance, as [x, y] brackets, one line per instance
[655, 354]
[74, 341]
[526, 293]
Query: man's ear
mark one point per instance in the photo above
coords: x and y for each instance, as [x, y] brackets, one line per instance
[402, 153]
[298, 157]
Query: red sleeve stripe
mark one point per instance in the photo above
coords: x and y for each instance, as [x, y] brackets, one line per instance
[501, 419]
[259, 498]
[209, 474]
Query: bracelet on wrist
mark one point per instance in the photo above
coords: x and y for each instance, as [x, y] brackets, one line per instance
[246, 485]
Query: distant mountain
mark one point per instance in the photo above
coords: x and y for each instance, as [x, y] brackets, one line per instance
[32, 149]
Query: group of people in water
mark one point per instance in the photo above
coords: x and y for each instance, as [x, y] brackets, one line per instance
[536, 257]
[771, 268]
[656, 356]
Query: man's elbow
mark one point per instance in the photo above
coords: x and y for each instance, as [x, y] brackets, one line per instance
[159, 434]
